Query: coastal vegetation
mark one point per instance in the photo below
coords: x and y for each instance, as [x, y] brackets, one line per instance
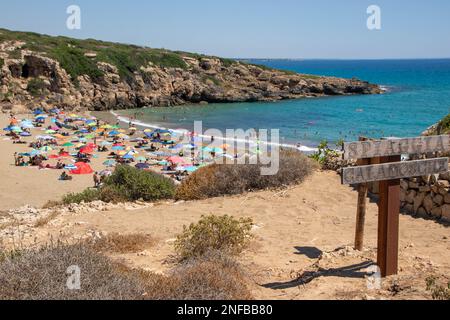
[218, 180]
[442, 127]
[126, 184]
[29, 274]
[214, 233]
[113, 75]
[439, 290]
[80, 57]
[36, 87]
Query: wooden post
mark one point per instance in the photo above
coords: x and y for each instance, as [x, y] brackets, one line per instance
[361, 207]
[388, 223]
[361, 210]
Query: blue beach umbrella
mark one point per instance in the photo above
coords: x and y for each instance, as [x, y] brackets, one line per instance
[110, 163]
[127, 156]
[114, 133]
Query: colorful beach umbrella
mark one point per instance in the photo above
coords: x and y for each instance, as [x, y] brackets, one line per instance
[46, 149]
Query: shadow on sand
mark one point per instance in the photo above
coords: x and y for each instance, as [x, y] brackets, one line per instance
[353, 271]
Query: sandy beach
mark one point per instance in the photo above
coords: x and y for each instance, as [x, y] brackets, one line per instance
[29, 185]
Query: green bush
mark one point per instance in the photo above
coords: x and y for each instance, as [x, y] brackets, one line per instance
[214, 233]
[76, 63]
[324, 152]
[36, 87]
[226, 179]
[127, 184]
[88, 195]
[136, 184]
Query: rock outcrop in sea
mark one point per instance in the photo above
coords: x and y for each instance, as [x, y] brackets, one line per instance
[38, 70]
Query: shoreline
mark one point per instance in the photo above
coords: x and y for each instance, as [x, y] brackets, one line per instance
[124, 119]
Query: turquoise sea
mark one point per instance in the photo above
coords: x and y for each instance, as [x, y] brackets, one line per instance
[418, 96]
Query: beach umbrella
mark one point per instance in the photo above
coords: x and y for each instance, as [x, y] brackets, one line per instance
[105, 143]
[26, 124]
[191, 168]
[106, 126]
[86, 150]
[34, 152]
[141, 159]
[105, 173]
[190, 146]
[46, 149]
[117, 148]
[113, 133]
[142, 166]
[110, 163]
[25, 134]
[177, 147]
[50, 131]
[176, 159]
[82, 168]
[217, 150]
[128, 156]
[44, 138]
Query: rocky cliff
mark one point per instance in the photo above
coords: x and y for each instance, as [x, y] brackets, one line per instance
[39, 70]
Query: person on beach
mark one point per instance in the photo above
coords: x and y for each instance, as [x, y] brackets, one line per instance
[96, 180]
[64, 176]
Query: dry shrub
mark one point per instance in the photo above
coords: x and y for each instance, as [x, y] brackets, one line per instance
[219, 180]
[45, 220]
[214, 233]
[214, 276]
[42, 274]
[118, 243]
[439, 291]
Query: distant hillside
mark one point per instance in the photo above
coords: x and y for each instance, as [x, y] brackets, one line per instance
[42, 70]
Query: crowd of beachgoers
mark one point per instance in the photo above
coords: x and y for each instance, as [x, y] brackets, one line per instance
[69, 142]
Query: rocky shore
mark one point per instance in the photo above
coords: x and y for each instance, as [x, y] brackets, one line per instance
[32, 75]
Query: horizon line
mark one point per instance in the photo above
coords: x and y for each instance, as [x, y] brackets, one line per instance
[234, 58]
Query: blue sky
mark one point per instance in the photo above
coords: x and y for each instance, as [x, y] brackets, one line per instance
[316, 29]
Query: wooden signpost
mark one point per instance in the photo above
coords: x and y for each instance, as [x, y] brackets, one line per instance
[388, 171]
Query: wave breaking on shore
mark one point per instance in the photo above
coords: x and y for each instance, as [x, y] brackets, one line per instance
[138, 123]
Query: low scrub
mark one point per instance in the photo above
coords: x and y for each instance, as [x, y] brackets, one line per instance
[215, 276]
[127, 184]
[44, 274]
[214, 233]
[219, 180]
[439, 291]
[88, 195]
[136, 184]
[118, 243]
[36, 87]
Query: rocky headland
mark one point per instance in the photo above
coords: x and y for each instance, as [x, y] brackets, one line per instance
[39, 70]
